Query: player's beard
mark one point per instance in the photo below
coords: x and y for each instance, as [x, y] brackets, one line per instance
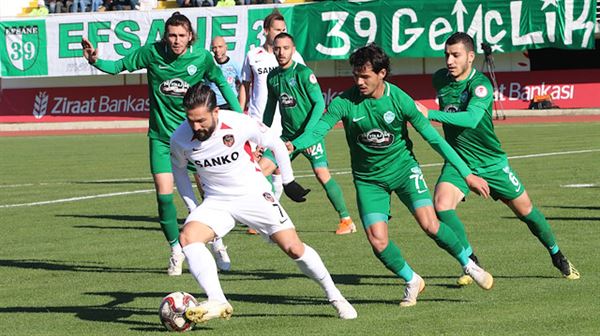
[203, 135]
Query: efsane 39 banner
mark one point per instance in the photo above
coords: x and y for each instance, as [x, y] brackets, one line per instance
[50, 46]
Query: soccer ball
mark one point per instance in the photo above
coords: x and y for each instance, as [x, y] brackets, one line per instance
[172, 311]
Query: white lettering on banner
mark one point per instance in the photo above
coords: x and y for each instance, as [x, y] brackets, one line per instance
[517, 39]
[131, 104]
[579, 23]
[340, 18]
[415, 32]
[65, 106]
[528, 92]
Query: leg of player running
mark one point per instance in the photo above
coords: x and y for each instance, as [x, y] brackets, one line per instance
[447, 197]
[539, 227]
[390, 255]
[445, 238]
[310, 263]
[167, 214]
[203, 268]
[336, 198]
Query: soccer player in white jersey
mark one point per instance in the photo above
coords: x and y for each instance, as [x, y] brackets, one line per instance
[257, 65]
[217, 142]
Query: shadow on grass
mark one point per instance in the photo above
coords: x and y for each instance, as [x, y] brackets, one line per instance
[579, 207]
[120, 218]
[65, 266]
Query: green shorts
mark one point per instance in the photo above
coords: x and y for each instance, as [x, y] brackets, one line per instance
[160, 157]
[504, 182]
[316, 154]
[374, 198]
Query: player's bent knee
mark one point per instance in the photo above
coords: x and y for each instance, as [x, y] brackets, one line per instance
[195, 232]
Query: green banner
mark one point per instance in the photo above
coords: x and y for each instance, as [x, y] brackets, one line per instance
[323, 30]
[24, 49]
[415, 28]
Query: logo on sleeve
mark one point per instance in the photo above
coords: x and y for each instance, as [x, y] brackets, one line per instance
[481, 91]
[269, 197]
[312, 78]
[228, 140]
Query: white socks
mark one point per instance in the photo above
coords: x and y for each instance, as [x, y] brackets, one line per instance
[176, 249]
[277, 185]
[312, 266]
[203, 267]
[218, 244]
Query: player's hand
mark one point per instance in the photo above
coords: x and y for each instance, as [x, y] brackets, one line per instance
[295, 191]
[422, 108]
[89, 53]
[478, 185]
[289, 146]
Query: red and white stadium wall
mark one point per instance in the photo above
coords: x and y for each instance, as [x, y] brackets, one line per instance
[568, 89]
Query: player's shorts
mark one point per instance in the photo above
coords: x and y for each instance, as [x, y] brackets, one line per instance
[374, 198]
[316, 154]
[260, 211]
[504, 182]
[160, 157]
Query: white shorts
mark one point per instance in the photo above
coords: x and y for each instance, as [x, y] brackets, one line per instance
[260, 211]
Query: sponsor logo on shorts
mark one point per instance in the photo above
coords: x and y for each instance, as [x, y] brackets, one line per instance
[376, 138]
[228, 140]
[269, 197]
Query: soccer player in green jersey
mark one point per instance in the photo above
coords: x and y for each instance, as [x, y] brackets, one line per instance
[295, 88]
[375, 114]
[173, 65]
[465, 99]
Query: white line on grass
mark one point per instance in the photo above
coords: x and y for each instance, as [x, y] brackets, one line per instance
[340, 172]
[73, 199]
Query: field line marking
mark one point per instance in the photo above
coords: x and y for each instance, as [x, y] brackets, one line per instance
[73, 199]
[340, 172]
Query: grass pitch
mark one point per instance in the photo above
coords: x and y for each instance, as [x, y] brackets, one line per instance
[82, 252]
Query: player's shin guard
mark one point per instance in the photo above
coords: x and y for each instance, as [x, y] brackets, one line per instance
[451, 219]
[446, 239]
[312, 266]
[204, 269]
[167, 214]
[537, 224]
[392, 259]
[336, 197]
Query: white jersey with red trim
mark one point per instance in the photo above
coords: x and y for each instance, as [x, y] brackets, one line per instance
[257, 65]
[224, 161]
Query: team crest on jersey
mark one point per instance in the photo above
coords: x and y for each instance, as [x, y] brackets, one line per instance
[481, 91]
[286, 100]
[269, 197]
[451, 108]
[176, 87]
[292, 82]
[376, 138]
[228, 140]
[464, 96]
[389, 116]
[191, 69]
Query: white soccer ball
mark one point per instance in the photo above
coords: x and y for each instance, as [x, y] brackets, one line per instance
[172, 311]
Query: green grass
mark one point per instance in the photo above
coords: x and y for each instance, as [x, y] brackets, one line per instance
[97, 266]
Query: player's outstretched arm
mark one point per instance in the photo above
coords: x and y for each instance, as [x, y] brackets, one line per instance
[89, 52]
[91, 55]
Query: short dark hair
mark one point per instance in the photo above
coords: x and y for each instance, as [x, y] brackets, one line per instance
[178, 19]
[370, 54]
[200, 95]
[284, 35]
[461, 37]
[274, 16]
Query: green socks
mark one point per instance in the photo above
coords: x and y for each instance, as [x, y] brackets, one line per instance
[392, 258]
[446, 239]
[336, 197]
[537, 224]
[451, 219]
[167, 214]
